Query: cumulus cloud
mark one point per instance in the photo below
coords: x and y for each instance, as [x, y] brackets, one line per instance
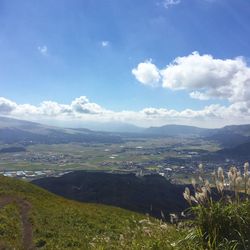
[78, 106]
[217, 78]
[147, 73]
[204, 77]
[43, 50]
[83, 110]
[50, 108]
[6, 106]
[82, 105]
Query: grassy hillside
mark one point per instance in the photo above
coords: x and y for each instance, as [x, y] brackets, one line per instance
[33, 218]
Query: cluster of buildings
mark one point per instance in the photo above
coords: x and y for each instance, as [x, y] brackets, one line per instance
[35, 157]
[33, 174]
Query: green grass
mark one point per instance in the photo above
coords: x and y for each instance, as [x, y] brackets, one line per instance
[10, 225]
[62, 224]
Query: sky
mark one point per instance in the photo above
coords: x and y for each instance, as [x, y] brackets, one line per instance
[148, 63]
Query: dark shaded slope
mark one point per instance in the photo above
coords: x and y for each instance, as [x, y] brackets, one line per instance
[148, 194]
[12, 150]
[243, 129]
[229, 136]
[228, 139]
[240, 151]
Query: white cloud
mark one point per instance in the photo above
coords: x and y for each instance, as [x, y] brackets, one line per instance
[147, 73]
[6, 106]
[43, 50]
[169, 3]
[105, 43]
[78, 107]
[216, 78]
[82, 110]
[83, 106]
[204, 77]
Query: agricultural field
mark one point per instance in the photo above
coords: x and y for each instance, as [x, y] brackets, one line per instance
[168, 155]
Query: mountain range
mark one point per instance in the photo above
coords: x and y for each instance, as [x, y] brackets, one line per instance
[25, 132]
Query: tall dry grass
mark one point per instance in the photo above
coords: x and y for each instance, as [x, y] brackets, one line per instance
[221, 209]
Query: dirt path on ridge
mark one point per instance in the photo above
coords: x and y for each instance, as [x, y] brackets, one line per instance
[24, 207]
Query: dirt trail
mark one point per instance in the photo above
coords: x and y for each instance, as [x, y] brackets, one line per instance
[24, 207]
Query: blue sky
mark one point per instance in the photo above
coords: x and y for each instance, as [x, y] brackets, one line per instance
[58, 51]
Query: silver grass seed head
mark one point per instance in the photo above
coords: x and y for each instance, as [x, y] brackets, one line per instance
[193, 181]
[193, 199]
[187, 195]
[207, 185]
[187, 191]
[220, 173]
[232, 174]
[248, 185]
[239, 173]
[200, 197]
[219, 186]
[197, 196]
[246, 167]
[200, 166]
[214, 177]
[204, 192]
[238, 181]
